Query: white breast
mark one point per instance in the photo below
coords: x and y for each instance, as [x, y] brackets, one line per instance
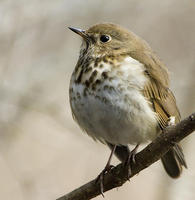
[119, 116]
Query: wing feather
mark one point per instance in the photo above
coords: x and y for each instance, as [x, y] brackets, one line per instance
[162, 100]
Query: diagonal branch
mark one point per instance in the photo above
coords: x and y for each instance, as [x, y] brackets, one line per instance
[153, 152]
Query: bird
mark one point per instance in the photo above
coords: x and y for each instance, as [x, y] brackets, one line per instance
[120, 93]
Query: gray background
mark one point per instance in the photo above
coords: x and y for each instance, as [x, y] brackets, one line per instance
[43, 153]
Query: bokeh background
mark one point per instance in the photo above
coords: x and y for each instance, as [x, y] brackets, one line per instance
[43, 153]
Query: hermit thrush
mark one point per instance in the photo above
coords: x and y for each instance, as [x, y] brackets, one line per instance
[119, 92]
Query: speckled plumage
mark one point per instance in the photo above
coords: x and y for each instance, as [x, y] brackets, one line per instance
[111, 106]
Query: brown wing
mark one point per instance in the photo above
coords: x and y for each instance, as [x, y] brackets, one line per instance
[157, 89]
[164, 104]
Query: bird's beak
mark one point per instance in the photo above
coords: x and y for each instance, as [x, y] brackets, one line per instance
[80, 32]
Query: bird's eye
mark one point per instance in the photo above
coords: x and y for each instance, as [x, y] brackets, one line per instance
[105, 38]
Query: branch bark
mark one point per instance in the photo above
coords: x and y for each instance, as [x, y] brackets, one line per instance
[153, 152]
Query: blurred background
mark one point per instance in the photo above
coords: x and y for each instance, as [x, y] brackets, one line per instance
[43, 153]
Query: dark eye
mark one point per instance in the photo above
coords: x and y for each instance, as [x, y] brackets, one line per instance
[105, 38]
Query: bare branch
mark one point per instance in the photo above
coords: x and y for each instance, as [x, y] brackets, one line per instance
[153, 152]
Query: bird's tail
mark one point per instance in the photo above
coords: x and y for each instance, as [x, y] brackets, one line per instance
[173, 161]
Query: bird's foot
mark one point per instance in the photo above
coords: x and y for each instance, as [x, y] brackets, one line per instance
[100, 178]
[130, 158]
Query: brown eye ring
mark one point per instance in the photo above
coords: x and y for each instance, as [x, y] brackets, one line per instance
[105, 38]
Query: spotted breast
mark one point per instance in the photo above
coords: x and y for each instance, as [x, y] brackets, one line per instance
[107, 101]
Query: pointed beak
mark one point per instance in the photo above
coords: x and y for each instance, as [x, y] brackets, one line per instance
[80, 32]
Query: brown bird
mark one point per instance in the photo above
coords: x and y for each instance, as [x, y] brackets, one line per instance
[119, 93]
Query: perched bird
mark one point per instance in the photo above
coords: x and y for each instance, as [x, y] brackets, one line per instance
[119, 93]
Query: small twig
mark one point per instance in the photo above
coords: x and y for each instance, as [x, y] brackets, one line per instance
[153, 152]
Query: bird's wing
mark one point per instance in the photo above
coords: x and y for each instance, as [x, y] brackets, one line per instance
[157, 89]
[163, 102]
[157, 92]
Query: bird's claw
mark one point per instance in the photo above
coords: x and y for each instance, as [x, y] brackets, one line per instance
[130, 158]
[100, 178]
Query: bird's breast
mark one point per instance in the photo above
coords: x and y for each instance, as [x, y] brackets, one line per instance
[107, 102]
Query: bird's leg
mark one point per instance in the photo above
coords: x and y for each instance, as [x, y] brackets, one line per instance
[131, 157]
[107, 168]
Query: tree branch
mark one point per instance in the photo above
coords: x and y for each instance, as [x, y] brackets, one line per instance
[153, 152]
